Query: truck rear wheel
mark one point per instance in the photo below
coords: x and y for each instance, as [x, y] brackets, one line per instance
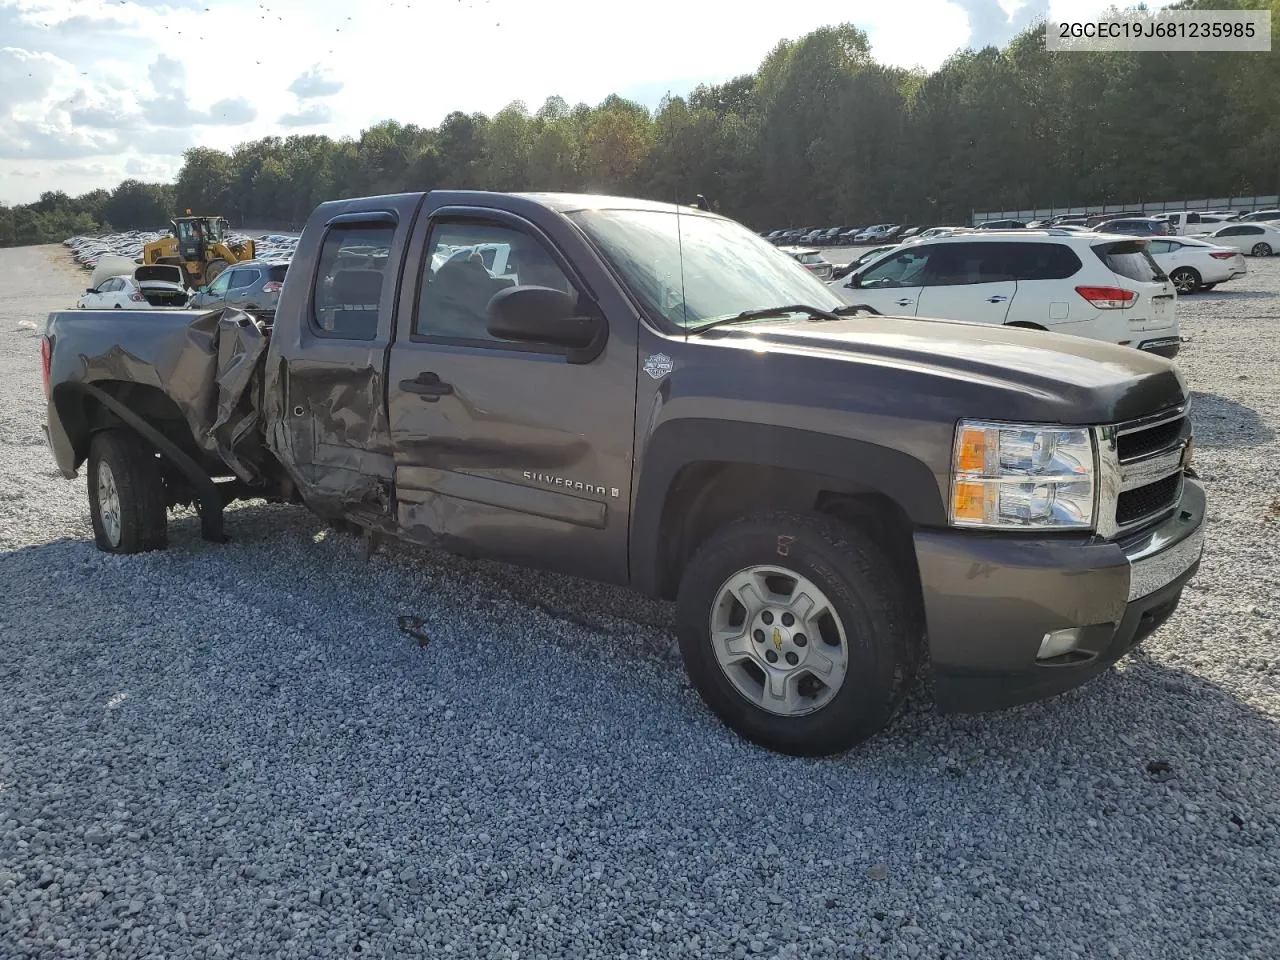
[796, 632]
[126, 493]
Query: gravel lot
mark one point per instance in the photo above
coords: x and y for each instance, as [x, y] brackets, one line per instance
[231, 751]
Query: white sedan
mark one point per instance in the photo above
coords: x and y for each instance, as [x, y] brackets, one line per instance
[116, 293]
[1255, 239]
[1193, 264]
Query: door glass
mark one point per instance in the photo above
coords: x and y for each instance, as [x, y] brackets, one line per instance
[349, 280]
[219, 286]
[957, 264]
[468, 263]
[904, 270]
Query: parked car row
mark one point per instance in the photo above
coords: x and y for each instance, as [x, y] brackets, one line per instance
[841, 236]
[1179, 222]
[1104, 286]
[121, 282]
[88, 250]
[1182, 223]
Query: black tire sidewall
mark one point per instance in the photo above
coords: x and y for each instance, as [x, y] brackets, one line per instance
[1193, 274]
[139, 486]
[881, 664]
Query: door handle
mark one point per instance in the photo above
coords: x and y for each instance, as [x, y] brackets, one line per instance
[904, 302]
[428, 386]
[997, 299]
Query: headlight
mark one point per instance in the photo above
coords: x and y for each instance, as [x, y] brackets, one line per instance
[1010, 476]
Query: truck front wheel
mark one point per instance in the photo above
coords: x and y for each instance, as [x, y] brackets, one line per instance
[126, 493]
[796, 632]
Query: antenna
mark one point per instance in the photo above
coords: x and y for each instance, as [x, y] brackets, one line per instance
[684, 306]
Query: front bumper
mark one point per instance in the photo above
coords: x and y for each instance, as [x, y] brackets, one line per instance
[990, 601]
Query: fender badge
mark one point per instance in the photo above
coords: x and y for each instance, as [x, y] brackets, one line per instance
[658, 365]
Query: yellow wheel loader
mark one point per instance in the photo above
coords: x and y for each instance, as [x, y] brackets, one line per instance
[199, 246]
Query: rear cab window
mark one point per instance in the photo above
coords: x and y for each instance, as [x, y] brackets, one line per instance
[349, 282]
[1131, 260]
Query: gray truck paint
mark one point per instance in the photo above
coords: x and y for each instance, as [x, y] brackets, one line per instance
[546, 463]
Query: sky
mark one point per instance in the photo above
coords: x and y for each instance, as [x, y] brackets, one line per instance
[94, 91]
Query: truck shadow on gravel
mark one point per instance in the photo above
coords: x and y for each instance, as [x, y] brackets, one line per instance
[1157, 710]
[1225, 424]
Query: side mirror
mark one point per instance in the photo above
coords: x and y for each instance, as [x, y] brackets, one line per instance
[531, 314]
[855, 281]
[91, 290]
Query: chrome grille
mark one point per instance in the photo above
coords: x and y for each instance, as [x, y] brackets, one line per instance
[1141, 470]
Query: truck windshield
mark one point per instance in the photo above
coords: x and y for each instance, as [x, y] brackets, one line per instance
[727, 269]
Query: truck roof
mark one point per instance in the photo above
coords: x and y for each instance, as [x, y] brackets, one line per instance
[570, 202]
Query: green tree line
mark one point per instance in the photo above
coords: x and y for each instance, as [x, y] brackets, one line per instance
[820, 133]
[133, 205]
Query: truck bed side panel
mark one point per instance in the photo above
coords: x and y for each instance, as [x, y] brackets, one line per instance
[203, 362]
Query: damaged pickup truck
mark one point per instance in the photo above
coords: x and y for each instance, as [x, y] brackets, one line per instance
[654, 396]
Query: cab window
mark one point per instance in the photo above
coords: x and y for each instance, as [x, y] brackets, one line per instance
[349, 282]
[469, 262]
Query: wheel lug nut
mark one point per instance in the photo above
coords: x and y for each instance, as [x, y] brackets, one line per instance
[767, 617]
[799, 639]
[771, 656]
[788, 619]
[759, 636]
[792, 658]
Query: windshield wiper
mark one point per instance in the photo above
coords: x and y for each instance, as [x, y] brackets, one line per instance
[767, 312]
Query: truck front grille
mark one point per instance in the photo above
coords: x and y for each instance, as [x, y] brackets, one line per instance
[1149, 502]
[1146, 460]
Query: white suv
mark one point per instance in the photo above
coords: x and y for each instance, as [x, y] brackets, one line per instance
[1095, 285]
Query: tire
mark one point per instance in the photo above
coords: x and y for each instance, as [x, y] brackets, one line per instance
[1185, 280]
[1261, 250]
[882, 640]
[212, 269]
[126, 493]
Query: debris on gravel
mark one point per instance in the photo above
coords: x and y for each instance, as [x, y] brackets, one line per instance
[250, 750]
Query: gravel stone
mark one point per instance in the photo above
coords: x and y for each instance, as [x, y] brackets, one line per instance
[233, 751]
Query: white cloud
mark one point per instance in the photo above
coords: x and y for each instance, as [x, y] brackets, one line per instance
[311, 115]
[315, 83]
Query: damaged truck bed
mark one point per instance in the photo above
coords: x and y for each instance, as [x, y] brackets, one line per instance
[188, 381]
[653, 396]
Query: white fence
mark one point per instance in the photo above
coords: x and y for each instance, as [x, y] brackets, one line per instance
[1225, 203]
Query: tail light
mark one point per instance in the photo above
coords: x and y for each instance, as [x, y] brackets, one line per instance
[1224, 255]
[272, 286]
[1108, 298]
[137, 297]
[46, 360]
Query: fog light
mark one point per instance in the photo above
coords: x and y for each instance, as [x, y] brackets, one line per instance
[1058, 642]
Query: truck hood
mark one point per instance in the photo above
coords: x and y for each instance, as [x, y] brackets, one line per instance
[1055, 377]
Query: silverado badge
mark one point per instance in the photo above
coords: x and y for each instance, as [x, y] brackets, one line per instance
[658, 365]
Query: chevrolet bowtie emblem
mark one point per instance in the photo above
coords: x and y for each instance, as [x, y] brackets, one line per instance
[777, 638]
